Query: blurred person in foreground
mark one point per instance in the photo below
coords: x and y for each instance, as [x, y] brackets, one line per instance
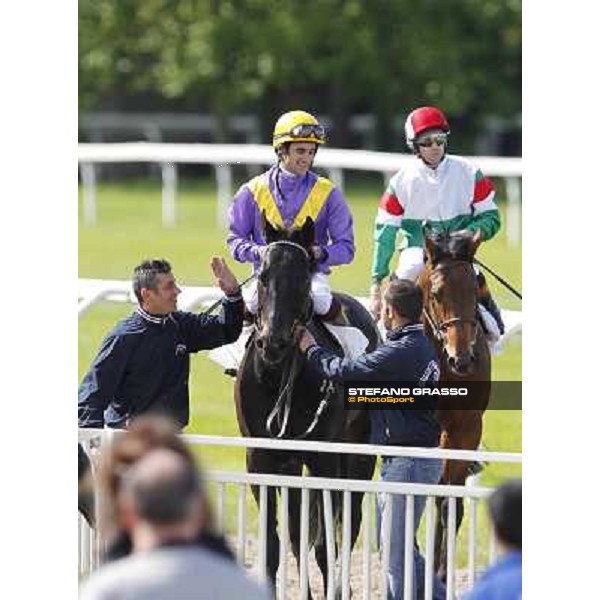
[504, 579]
[145, 434]
[143, 365]
[163, 504]
[407, 356]
[444, 189]
[287, 194]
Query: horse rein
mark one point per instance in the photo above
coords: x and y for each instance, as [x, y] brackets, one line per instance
[286, 388]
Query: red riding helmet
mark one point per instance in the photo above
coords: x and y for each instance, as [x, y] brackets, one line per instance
[421, 119]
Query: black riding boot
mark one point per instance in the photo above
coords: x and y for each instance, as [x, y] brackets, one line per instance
[485, 298]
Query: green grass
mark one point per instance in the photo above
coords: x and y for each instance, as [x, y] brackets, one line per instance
[129, 229]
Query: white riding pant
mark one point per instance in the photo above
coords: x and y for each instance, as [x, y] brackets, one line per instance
[320, 292]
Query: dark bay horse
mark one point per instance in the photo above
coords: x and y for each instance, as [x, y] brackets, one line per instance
[276, 396]
[451, 320]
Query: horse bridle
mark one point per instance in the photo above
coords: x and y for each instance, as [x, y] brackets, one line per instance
[309, 312]
[439, 329]
[286, 387]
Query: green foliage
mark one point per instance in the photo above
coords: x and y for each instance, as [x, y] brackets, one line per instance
[336, 56]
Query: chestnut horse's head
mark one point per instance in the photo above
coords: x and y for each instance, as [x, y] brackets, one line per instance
[450, 295]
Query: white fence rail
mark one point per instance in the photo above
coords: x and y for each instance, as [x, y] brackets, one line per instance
[223, 156]
[372, 582]
[93, 291]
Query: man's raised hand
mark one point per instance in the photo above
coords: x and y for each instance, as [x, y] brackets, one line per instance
[225, 279]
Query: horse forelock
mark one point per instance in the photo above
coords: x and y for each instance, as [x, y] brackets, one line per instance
[452, 244]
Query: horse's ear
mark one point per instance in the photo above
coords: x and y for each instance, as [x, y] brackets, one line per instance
[475, 241]
[308, 232]
[429, 243]
[270, 233]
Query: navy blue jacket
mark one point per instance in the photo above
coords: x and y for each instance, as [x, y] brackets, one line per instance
[407, 356]
[143, 364]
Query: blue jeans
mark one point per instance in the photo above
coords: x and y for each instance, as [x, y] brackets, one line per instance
[409, 470]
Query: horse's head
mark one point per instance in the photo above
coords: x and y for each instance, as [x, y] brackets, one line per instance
[283, 289]
[450, 295]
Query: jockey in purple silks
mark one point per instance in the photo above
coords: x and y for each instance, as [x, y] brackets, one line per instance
[288, 193]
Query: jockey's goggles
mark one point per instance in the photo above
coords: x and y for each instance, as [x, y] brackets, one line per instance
[440, 139]
[316, 132]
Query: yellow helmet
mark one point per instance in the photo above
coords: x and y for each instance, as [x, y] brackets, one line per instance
[297, 126]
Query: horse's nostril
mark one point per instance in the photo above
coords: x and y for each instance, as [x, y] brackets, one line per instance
[260, 343]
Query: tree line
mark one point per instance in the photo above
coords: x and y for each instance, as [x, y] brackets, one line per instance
[334, 57]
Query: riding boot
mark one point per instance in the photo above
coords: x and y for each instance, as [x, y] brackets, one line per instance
[485, 298]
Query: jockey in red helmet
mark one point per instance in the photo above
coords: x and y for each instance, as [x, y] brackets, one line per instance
[447, 190]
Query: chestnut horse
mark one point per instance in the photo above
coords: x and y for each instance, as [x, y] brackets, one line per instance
[451, 320]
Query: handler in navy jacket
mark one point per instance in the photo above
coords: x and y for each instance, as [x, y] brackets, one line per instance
[144, 363]
[410, 358]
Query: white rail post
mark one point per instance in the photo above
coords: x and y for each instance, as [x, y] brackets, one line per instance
[492, 558]
[88, 176]
[386, 528]
[513, 217]
[241, 549]
[169, 190]
[472, 539]
[336, 174]
[429, 547]
[346, 544]
[224, 193]
[262, 533]
[221, 508]
[283, 542]
[304, 506]
[451, 548]
[367, 526]
[409, 534]
[330, 544]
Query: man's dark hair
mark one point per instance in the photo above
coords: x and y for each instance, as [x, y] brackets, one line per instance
[145, 275]
[406, 297]
[163, 487]
[506, 511]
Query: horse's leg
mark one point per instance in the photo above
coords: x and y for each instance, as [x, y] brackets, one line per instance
[259, 461]
[462, 433]
[295, 502]
[327, 465]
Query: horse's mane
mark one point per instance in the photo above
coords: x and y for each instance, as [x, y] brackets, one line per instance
[451, 244]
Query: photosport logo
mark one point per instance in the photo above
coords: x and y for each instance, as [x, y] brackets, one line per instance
[471, 395]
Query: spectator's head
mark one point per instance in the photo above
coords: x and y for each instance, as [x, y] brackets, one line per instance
[402, 303]
[161, 499]
[146, 433]
[505, 505]
[155, 287]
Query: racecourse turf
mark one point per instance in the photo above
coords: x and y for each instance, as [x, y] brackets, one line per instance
[129, 229]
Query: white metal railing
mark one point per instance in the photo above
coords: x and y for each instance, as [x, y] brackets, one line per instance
[223, 156]
[90, 546]
[93, 291]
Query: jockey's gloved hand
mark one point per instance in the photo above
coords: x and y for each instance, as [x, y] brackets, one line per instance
[318, 253]
[375, 304]
[260, 251]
